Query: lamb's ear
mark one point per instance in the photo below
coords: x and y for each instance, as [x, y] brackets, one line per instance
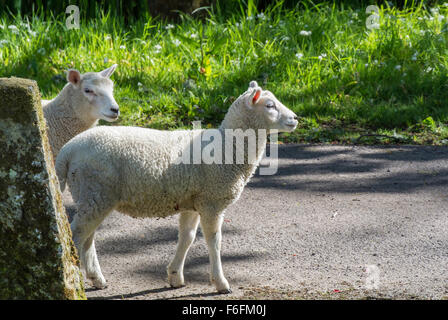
[253, 84]
[108, 72]
[74, 77]
[255, 96]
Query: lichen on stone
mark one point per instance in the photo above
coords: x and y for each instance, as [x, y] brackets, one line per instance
[37, 256]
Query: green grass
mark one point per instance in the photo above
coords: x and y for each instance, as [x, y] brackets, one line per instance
[348, 84]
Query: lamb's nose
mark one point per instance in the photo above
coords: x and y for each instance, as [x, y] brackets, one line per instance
[114, 110]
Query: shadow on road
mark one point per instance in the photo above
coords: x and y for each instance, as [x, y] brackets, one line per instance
[357, 169]
[154, 291]
[154, 236]
[131, 295]
[158, 271]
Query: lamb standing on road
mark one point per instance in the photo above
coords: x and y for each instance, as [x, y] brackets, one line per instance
[136, 171]
[82, 102]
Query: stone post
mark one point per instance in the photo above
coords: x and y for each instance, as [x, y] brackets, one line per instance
[37, 257]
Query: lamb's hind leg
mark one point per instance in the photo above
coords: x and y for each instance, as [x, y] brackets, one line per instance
[188, 225]
[92, 266]
[91, 212]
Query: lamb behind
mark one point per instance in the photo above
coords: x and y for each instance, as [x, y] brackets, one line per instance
[134, 171]
[82, 102]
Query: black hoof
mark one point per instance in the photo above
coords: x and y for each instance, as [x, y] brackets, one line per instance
[225, 291]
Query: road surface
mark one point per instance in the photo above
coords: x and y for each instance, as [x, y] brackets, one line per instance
[335, 222]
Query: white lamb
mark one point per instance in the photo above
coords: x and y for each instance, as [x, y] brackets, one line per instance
[135, 171]
[82, 102]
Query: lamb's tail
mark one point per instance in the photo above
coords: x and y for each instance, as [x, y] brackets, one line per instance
[61, 164]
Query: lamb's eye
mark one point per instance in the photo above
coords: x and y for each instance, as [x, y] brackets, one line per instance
[87, 90]
[270, 105]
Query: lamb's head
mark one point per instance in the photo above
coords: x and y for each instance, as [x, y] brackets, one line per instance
[266, 112]
[95, 91]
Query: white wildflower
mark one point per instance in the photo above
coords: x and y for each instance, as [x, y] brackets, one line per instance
[194, 35]
[3, 43]
[261, 16]
[169, 26]
[305, 33]
[299, 55]
[122, 47]
[323, 55]
[13, 29]
[176, 42]
[397, 67]
[157, 48]
[434, 10]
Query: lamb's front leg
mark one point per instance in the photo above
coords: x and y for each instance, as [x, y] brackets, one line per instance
[211, 226]
[188, 225]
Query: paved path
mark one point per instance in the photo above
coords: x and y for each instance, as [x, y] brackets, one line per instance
[307, 232]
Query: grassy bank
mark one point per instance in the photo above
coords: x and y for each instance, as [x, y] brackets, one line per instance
[347, 83]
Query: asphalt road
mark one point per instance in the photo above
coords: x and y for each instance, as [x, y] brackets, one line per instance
[335, 222]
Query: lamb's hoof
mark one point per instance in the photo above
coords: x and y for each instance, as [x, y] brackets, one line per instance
[99, 283]
[222, 286]
[175, 280]
[225, 291]
[177, 286]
